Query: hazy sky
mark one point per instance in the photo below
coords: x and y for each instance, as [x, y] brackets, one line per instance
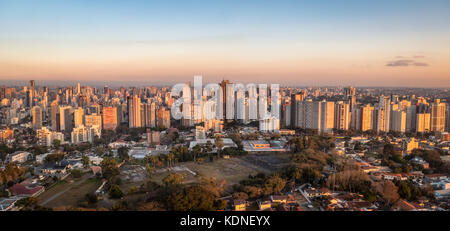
[320, 42]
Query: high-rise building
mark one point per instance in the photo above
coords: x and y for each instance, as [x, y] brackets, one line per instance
[350, 96]
[163, 117]
[31, 94]
[327, 116]
[437, 116]
[223, 98]
[134, 111]
[110, 118]
[342, 116]
[447, 118]
[309, 114]
[46, 137]
[366, 117]
[383, 114]
[398, 121]
[83, 134]
[148, 114]
[78, 116]
[423, 122]
[37, 117]
[411, 118]
[93, 120]
[65, 118]
[295, 100]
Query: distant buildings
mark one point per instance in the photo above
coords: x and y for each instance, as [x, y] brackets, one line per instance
[437, 116]
[18, 157]
[423, 122]
[84, 134]
[46, 137]
[110, 121]
[36, 112]
[134, 111]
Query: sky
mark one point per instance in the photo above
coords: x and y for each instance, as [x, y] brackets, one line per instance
[298, 43]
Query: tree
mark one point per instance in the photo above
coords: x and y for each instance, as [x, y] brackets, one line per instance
[240, 196]
[115, 192]
[404, 190]
[170, 158]
[91, 198]
[196, 151]
[27, 202]
[193, 198]
[56, 143]
[274, 185]
[149, 169]
[122, 152]
[173, 179]
[219, 145]
[389, 191]
[109, 168]
[54, 157]
[85, 161]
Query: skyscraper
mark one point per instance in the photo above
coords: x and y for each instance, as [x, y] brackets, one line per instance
[65, 116]
[423, 122]
[163, 117]
[223, 98]
[398, 121]
[411, 118]
[134, 111]
[295, 99]
[93, 120]
[327, 116]
[366, 117]
[342, 116]
[78, 116]
[109, 118]
[350, 96]
[37, 117]
[383, 114]
[437, 116]
[30, 95]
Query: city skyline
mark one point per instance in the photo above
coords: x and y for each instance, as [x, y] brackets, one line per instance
[298, 43]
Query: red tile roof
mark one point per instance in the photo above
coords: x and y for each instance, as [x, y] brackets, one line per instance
[20, 189]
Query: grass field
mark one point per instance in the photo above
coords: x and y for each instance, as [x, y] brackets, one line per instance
[69, 192]
[231, 170]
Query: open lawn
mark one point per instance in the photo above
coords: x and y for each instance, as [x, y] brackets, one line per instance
[69, 192]
[231, 170]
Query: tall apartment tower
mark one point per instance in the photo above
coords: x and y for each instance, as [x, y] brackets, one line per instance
[411, 113]
[327, 116]
[366, 117]
[134, 111]
[110, 118]
[295, 100]
[398, 121]
[78, 116]
[54, 111]
[223, 97]
[383, 114]
[423, 122]
[437, 116]
[36, 112]
[31, 94]
[342, 116]
[65, 116]
[350, 96]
